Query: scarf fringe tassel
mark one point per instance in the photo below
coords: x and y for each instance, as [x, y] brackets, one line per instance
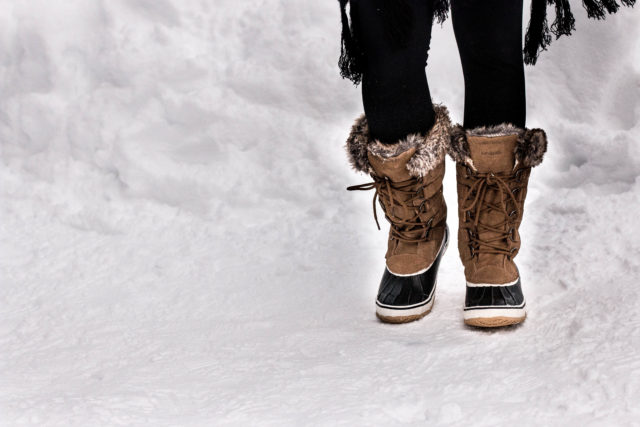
[538, 36]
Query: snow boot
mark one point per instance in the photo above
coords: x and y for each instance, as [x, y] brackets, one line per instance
[407, 178]
[493, 165]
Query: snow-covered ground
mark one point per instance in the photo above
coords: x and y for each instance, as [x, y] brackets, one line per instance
[177, 246]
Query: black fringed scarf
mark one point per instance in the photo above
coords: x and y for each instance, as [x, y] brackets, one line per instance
[399, 25]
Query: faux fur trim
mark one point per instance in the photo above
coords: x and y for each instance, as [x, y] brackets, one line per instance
[530, 148]
[430, 148]
[458, 147]
[497, 130]
[532, 144]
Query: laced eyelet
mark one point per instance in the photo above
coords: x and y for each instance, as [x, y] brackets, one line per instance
[512, 213]
[428, 231]
[515, 191]
[512, 235]
[473, 251]
[518, 174]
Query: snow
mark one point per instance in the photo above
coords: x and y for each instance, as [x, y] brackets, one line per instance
[178, 247]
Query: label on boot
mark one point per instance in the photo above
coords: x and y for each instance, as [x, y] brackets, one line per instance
[493, 154]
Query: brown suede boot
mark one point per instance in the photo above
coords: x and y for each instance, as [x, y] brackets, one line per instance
[407, 178]
[492, 171]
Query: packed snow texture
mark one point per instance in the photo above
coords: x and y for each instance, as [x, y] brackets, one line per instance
[178, 248]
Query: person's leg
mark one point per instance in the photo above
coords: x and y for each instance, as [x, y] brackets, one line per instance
[489, 36]
[494, 153]
[395, 92]
[401, 141]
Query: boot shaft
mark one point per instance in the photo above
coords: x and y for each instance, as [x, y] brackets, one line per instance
[407, 177]
[492, 173]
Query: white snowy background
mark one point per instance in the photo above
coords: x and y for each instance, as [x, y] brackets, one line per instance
[177, 246]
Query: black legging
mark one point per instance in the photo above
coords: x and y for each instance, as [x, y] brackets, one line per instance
[395, 91]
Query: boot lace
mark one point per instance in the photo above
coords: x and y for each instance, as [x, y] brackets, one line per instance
[479, 204]
[412, 230]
